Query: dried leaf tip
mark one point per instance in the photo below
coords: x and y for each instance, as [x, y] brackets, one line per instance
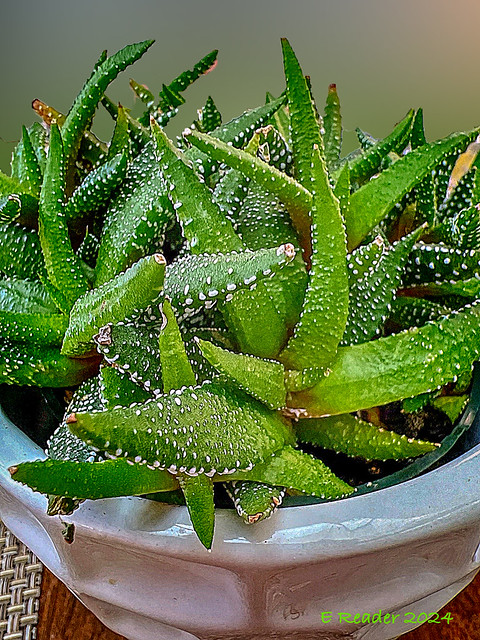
[159, 259]
[104, 336]
[72, 417]
[332, 87]
[287, 249]
[12, 470]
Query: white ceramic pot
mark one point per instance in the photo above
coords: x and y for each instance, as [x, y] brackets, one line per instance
[405, 550]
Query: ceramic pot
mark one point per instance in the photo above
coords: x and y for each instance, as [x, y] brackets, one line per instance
[305, 573]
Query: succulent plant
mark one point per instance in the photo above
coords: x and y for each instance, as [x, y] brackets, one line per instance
[217, 304]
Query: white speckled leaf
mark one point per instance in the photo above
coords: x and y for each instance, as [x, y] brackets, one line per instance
[208, 429]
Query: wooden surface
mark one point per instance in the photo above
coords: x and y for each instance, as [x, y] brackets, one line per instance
[62, 617]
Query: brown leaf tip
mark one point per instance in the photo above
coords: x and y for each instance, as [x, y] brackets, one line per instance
[72, 417]
[13, 470]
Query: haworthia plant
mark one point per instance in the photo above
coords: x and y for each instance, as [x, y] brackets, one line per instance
[216, 303]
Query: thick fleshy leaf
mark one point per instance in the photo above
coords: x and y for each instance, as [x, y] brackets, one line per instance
[371, 295]
[299, 471]
[20, 252]
[86, 102]
[322, 320]
[365, 165]
[293, 195]
[198, 492]
[27, 166]
[371, 203]
[40, 328]
[414, 312]
[38, 141]
[132, 348]
[137, 218]
[209, 117]
[236, 133]
[24, 296]
[42, 366]
[177, 371]
[304, 125]
[357, 438]
[120, 142]
[209, 429]
[170, 95]
[452, 406]
[198, 280]
[462, 231]
[92, 480]
[131, 290]
[254, 501]
[262, 379]
[97, 188]
[19, 207]
[119, 390]
[332, 123]
[62, 265]
[438, 263]
[204, 226]
[375, 374]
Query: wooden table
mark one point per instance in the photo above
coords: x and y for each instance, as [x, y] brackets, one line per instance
[62, 617]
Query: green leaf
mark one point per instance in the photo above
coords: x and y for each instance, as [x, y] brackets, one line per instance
[452, 406]
[440, 264]
[132, 348]
[198, 492]
[142, 92]
[332, 123]
[209, 117]
[118, 389]
[88, 250]
[365, 165]
[92, 480]
[293, 195]
[177, 371]
[304, 126]
[42, 366]
[263, 379]
[299, 471]
[371, 203]
[203, 225]
[236, 133]
[120, 143]
[170, 95]
[357, 438]
[19, 207]
[27, 167]
[469, 288]
[280, 119]
[20, 252]
[118, 298]
[62, 265]
[322, 320]
[254, 501]
[208, 429]
[38, 141]
[414, 312]
[137, 218]
[371, 295]
[197, 280]
[41, 328]
[97, 188]
[374, 374]
[24, 296]
[86, 102]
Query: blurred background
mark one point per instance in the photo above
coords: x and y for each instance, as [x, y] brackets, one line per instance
[385, 56]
